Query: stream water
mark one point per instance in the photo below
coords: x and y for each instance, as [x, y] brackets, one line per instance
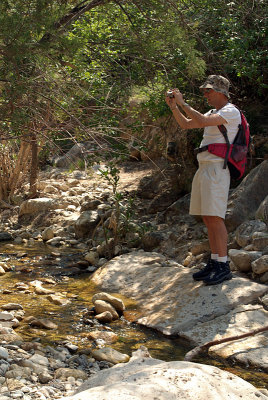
[42, 262]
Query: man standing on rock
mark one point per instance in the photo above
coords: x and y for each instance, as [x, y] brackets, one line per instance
[210, 186]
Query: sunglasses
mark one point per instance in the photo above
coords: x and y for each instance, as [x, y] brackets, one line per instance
[205, 91]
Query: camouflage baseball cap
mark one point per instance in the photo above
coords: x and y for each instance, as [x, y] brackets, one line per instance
[217, 83]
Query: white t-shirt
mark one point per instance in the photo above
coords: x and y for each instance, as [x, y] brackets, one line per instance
[212, 134]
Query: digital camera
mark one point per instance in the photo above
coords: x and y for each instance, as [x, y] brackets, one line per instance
[170, 94]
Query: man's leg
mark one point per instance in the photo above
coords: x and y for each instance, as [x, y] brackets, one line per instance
[209, 196]
[217, 235]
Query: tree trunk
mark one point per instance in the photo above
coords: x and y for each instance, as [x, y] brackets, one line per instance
[20, 168]
[34, 167]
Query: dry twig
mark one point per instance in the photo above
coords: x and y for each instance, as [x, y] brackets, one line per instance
[204, 348]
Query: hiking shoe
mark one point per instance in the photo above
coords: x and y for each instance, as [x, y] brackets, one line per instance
[220, 273]
[204, 272]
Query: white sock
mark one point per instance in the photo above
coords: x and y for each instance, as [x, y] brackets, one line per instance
[214, 256]
[222, 259]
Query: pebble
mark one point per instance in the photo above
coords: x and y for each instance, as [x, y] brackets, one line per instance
[3, 353]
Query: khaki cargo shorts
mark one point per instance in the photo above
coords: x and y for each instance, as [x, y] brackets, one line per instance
[210, 189]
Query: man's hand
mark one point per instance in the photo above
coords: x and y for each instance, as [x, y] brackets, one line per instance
[171, 101]
[178, 97]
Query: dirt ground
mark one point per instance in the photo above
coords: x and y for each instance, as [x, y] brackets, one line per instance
[133, 172]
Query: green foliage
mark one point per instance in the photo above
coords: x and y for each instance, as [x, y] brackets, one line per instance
[144, 47]
[27, 71]
[235, 35]
[111, 174]
[79, 82]
[123, 210]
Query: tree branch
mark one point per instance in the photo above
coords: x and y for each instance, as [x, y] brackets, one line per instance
[204, 348]
[73, 15]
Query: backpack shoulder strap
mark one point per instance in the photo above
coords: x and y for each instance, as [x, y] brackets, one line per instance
[223, 130]
[224, 133]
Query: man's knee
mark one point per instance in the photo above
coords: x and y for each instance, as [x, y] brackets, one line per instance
[212, 220]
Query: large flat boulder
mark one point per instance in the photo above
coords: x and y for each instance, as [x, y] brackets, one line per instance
[169, 299]
[147, 378]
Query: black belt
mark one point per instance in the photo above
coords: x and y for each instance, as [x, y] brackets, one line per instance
[200, 149]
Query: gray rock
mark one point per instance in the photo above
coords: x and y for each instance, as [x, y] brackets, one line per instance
[260, 241]
[264, 278]
[64, 373]
[176, 302]
[36, 206]
[90, 205]
[244, 232]
[265, 251]
[260, 266]
[180, 206]
[247, 197]
[104, 211]
[264, 300]
[106, 336]
[71, 347]
[14, 384]
[102, 261]
[110, 355]
[12, 306]
[262, 212]
[43, 291]
[56, 241]
[86, 223]
[3, 368]
[18, 372]
[147, 378]
[58, 299]
[36, 368]
[102, 306]
[114, 301]
[6, 266]
[6, 316]
[252, 352]
[47, 234]
[38, 359]
[200, 247]
[151, 240]
[243, 319]
[3, 353]
[45, 377]
[5, 236]
[104, 317]
[78, 151]
[92, 257]
[9, 336]
[61, 353]
[243, 259]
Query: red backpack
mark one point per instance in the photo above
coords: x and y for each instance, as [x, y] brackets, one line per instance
[235, 154]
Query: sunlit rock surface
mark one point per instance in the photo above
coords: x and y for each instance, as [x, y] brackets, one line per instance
[173, 303]
[145, 378]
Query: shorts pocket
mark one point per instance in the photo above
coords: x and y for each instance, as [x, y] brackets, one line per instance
[215, 173]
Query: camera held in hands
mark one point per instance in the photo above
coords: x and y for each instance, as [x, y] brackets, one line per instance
[170, 94]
